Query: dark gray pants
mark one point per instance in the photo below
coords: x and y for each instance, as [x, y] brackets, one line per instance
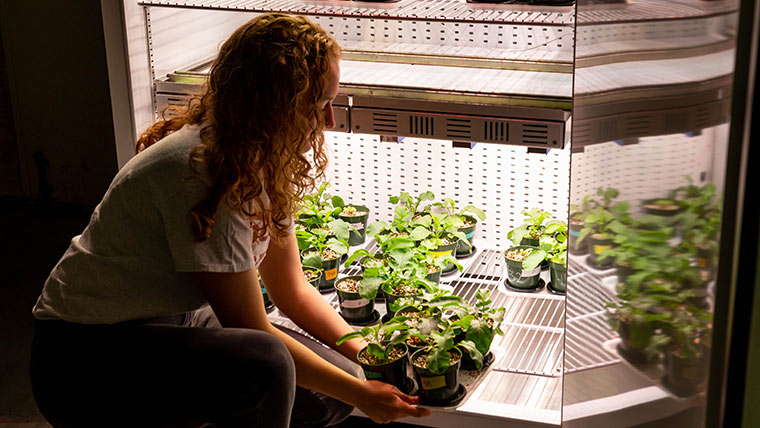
[179, 371]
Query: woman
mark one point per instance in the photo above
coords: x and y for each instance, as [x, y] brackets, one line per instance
[120, 337]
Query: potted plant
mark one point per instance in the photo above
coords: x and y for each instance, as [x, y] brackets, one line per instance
[318, 208]
[385, 356]
[553, 243]
[312, 275]
[523, 270]
[532, 228]
[636, 318]
[425, 314]
[434, 263]
[443, 237]
[414, 204]
[632, 245]
[402, 226]
[598, 228]
[323, 252]
[664, 207]
[436, 367]
[469, 216]
[480, 324]
[687, 334]
[354, 308]
[356, 216]
[577, 213]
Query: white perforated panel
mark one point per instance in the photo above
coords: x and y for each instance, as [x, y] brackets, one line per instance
[496, 41]
[645, 170]
[502, 180]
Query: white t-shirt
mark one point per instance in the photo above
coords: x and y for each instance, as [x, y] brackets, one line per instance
[132, 259]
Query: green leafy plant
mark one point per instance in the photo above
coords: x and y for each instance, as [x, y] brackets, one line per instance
[321, 240]
[413, 204]
[449, 207]
[552, 246]
[438, 356]
[602, 219]
[381, 338]
[442, 227]
[533, 226]
[480, 322]
[402, 269]
[319, 208]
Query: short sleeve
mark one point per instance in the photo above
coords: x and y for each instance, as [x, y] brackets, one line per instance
[228, 249]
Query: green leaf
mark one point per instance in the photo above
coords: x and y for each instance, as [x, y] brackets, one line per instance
[356, 254]
[337, 201]
[348, 336]
[312, 260]
[340, 247]
[376, 350]
[476, 211]
[368, 287]
[475, 353]
[534, 259]
[419, 233]
[376, 227]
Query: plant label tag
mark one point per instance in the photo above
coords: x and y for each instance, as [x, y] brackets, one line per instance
[435, 382]
[470, 235]
[530, 273]
[355, 303]
[357, 226]
[373, 375]
[702, 262]
[599, 248]
[440, 253]
[331, 273]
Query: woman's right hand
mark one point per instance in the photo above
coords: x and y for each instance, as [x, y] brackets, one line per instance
[383, 403]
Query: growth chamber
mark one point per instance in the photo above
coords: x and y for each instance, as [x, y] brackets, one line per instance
[614, 116]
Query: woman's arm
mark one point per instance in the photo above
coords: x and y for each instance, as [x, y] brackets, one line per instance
[237, 302]
[302, 303]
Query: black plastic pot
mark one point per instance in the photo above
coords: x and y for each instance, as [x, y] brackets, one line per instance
[435, 276]
[444, 250]
[558, 273]
[623, 271]
[627, 349]
[393, 372]
[517, 277]
[390, 298]
[353, 307]
[650, 207]
[330, 269]
[469, 364]
[534, 243]
[437, 388]
[358, 225]
[313, 282]
[574, 233]
[684, 377]
[597, 244]
[469, 232]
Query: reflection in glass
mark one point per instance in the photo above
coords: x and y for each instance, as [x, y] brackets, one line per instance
[651, 97]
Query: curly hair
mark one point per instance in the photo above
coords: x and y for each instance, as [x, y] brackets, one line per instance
[256, 113]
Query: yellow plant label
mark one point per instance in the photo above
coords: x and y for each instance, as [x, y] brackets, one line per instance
[702, 262]
[440, 253]
[331, 274]
[433, 382]
[599, 248]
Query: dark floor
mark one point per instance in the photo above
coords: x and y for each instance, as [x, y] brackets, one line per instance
[34, 235]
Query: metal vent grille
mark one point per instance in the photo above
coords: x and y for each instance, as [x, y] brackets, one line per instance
[702, 117]
[499, 131]
[421, 125]
[384, 122]
[535, 133]
[637, 126]
[458, 128]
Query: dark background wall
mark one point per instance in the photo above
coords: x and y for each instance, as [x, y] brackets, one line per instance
[57, 86]
[57, 157]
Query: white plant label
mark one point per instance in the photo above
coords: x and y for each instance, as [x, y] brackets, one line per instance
[353, 304]
[529, 273]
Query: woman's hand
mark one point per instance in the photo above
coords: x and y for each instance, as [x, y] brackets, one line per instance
[383, 403]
